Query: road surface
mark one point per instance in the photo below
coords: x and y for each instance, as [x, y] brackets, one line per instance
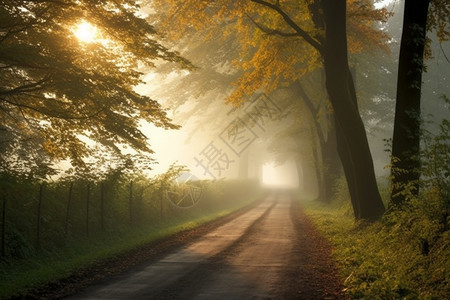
[257, 255]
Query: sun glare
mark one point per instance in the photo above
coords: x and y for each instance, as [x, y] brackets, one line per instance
[85, 32]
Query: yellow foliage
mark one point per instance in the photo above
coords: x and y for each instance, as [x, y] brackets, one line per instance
[267, 60]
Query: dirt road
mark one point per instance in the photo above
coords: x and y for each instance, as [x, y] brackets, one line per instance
[269, 252]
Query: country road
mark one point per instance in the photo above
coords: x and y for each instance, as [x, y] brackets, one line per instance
[257, 255]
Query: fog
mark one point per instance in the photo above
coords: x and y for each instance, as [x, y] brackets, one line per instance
[152, 144]
[217, 141]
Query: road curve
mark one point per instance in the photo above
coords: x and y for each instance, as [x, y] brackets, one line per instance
[246, 258]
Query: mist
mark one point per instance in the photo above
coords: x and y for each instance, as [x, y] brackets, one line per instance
[278, 149]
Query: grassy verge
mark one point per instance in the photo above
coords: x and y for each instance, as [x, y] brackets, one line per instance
[21, 275]
[406, 255]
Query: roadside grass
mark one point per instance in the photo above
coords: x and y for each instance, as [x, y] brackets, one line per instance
[405, 255]
[19, 276]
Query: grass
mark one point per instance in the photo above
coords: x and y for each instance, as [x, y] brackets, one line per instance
[19, 276]
[406, 255]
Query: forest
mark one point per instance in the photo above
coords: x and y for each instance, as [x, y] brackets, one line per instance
[125, 122]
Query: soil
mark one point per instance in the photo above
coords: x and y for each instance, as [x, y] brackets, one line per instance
[269, 250]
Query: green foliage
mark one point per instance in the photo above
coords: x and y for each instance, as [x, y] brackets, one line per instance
[383, 261]
[434, 169]
[57, 92]
[406, 255]
[436, 161]
[124, 212]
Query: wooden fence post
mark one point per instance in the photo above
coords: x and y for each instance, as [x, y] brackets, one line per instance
[161, 193]
[3, 225]
[130, 202]
[102, 205]
[88, 195]
[69, 201]
[39, 212]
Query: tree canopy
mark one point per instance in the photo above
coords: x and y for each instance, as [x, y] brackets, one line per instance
[271, 52]
[57, 90]
[280, 41]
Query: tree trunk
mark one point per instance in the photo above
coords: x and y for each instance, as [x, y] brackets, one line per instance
[346, 159]
[406, 136]
[318, 167]
[353, 146]
[330, 160]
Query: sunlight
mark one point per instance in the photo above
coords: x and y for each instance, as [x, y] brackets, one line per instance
[382, 3]
[85, 32]
[279, 175]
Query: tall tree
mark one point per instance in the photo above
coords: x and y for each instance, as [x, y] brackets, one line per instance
[352, 141]
[57, 90]
[406, 137]
[282, 41]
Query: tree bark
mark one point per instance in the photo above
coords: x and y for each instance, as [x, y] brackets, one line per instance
[353, 146]
[318, 167]
[406, 136]
[333, 166]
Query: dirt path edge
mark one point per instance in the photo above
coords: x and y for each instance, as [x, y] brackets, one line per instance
[101, 270]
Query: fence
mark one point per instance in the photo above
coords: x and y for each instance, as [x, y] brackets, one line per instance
[44, 216]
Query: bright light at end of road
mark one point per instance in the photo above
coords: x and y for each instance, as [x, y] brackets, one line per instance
[85, 32]
[283, 176]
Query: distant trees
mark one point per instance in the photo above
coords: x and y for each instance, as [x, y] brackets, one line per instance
[281, 41]
[57, 92]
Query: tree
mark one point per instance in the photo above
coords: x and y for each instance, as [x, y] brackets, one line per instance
[351, 136]
[330, 165]
[57, 91]
[405, 168]
[281, 41]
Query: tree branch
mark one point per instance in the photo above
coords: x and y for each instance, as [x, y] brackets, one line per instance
[63, 115]
[31, 87]
[310, 40]
[270, 31]
[17, 28]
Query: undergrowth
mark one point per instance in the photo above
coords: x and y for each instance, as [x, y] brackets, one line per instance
[405, 255]
[20, 274]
